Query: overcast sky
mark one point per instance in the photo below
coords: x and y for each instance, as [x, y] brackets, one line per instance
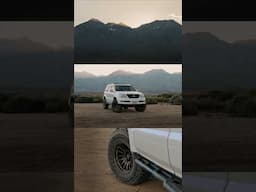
[229, 30]
[55, 34]
[106, 69]
[130, 12]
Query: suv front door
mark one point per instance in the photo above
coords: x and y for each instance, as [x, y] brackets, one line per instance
[175, 150]
[111, 93]
[152, 143]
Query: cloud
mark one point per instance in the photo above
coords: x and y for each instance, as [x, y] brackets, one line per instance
[175, 16]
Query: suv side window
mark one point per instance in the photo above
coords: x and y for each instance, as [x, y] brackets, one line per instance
[106, 89]
[111, 89]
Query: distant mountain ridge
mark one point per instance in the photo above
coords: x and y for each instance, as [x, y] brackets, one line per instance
[154, 81]
[34, 65]
[22, 45]
[155, 42]
[98, 22]
[25, 45]
[211, 63]
[121, 73]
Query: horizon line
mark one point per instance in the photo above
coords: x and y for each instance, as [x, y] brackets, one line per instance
[131, 73]
[124, 24]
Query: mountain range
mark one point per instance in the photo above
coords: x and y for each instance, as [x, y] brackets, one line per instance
[153, 81]
[155, 42]
[208, 63]
[34, 65]
[211, 63]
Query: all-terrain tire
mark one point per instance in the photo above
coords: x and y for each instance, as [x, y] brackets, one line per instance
[140, 108]
[105, 105]
[116, 107]
[132, 174]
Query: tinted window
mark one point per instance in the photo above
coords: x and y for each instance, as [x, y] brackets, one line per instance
[124, 88]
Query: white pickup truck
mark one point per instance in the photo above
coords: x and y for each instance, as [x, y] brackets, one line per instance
[136, 153]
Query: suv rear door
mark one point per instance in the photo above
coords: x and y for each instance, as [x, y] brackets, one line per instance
[108, 93]
[111, 93]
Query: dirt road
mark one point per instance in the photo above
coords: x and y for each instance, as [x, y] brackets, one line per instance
[92, 172]
[159, 115]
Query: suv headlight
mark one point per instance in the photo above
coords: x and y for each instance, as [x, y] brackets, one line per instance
[142, 96]
[123, 96]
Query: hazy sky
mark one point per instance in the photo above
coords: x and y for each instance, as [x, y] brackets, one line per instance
[228, 30]
[130, 12]
[55, 34]
[107, 69]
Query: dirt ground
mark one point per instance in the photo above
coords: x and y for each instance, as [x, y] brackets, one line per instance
[37, 181]
[36, 142]
[159, 115]
[92, 172]
[220, 142]
[36, 152]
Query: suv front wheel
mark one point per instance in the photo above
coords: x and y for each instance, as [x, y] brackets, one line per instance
[122, 160]
[116, 107]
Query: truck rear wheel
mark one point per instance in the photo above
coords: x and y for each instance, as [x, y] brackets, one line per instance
[122, 161]
[140, 108]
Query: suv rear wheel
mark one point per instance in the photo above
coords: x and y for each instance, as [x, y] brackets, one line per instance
[105, 105]
[116, 107]
[122, 161]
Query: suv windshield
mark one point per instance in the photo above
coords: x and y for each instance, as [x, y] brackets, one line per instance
[124, 88]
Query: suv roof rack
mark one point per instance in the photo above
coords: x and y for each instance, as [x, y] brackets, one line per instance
[120, 83]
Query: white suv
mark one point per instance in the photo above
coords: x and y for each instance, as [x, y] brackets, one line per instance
[135, 154]
[122, 96]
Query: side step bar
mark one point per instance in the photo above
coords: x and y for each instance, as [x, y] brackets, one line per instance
[168, 183]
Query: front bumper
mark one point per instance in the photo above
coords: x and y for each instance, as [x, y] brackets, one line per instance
[132, 102]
